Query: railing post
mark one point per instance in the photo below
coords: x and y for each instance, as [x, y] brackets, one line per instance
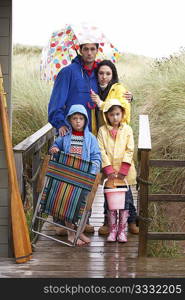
[144, 147]
[143, 203]
[36, 161]
[19, 170]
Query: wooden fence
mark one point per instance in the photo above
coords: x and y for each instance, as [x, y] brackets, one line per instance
[144, 164]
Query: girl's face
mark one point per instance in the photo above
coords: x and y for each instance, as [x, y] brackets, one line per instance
[77, 122]
[115, 117]
[104, 75]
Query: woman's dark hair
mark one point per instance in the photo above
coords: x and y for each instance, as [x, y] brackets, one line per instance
[103, 93]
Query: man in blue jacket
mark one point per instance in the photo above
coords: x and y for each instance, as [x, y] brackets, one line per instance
[72, 86]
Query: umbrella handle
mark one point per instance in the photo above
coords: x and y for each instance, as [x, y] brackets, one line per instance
[91, 106]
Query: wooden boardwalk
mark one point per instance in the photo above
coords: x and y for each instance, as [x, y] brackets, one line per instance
[97, 260]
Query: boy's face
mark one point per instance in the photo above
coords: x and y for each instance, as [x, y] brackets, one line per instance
[77, 121]
[115, 117]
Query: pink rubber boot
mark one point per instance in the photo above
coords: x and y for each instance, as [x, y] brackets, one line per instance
[112, 222]
[122, 234]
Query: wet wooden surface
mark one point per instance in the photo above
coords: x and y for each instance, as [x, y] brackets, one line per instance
[97, 260]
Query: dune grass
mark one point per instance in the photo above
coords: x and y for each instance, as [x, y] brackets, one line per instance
[29, 97]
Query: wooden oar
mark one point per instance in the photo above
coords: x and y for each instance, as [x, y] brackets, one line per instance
[21, 239]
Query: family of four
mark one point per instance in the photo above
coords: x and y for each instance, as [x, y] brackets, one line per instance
[90, 110]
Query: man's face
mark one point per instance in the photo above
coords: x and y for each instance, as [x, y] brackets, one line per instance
[88, 53]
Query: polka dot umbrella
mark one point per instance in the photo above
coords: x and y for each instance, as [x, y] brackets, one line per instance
[64, 45]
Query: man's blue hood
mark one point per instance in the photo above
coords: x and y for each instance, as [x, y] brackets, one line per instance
[77, 59]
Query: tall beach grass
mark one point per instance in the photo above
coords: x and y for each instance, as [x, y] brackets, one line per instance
[29, 95]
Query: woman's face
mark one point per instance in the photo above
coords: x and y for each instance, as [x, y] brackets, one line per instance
[104, 75]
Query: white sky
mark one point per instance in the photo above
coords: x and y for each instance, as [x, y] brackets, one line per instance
[148, 27]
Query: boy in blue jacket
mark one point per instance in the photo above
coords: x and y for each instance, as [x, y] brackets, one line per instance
[80, 142]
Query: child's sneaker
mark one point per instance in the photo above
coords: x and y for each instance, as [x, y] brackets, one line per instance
[133, 228]
[89, 228]
[103, 230]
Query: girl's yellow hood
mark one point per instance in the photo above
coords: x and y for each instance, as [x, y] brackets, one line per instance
[112, 102]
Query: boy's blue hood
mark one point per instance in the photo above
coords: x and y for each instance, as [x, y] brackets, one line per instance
[77, 108]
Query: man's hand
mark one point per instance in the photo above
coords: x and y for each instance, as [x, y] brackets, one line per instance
[63, 130]
[128, 95]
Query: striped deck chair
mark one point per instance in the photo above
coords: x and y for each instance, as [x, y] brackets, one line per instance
[68, 192]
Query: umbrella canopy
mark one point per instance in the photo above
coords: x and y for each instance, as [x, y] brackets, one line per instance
[64, 46]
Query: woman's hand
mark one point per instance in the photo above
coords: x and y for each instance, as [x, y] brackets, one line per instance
[63, 130]
[54, 150]
[95, 98]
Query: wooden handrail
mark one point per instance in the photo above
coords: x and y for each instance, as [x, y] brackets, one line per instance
[166, 197]
[167, 163]
[35, 141]
[30, 149]
[175, 236]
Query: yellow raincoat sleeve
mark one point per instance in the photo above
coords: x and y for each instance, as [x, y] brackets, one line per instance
[105, 160]
[129, 151]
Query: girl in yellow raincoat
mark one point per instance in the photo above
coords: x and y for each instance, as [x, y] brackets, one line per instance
[116, 143]
[110, 88]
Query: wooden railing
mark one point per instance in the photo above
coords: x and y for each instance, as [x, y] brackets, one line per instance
[29, 151]
[144, 148]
